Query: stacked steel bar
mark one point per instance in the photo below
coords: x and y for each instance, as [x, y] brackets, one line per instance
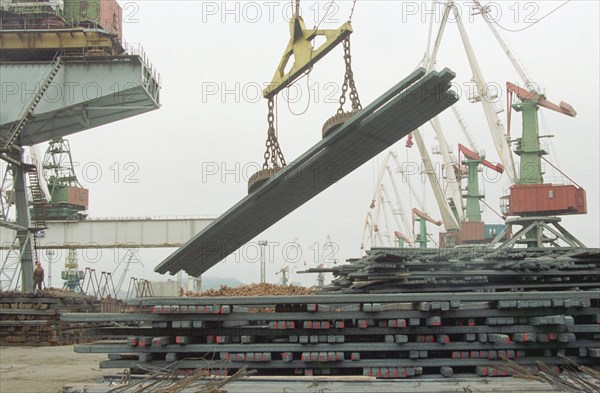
[392, 116]
[381, 335]
[34, 319]
[449, 321]
[466, 269]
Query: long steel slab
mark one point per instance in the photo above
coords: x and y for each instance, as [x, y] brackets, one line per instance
[406, 106]
[360, 298]
[323, 347]
[307, 316]
[298, 364]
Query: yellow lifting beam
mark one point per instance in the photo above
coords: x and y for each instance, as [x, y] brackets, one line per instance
[305, 56]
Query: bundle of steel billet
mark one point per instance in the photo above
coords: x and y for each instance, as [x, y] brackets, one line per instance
[382, 335]
[466, 269]
[396, 113]
[34, 318]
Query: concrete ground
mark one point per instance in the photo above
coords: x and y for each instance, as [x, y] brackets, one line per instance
[49, 369]
[46, 369]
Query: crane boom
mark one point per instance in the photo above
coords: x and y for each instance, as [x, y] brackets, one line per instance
[450, 221]
[399, 235]
[475, 156]
[449, 166]
[494, 123]
[463, 127]
[406, 178]
[524, 94]
[426, 217]
[484, 10]
[403, 216]
[438, 39]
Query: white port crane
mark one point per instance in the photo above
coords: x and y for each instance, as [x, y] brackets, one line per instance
[491, 114]
[388, 220]
[449, 218]
[453, 215]
[484, 12]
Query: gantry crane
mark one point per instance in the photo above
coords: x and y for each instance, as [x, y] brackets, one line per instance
[27, 224]
[485, 11]
[535, 203]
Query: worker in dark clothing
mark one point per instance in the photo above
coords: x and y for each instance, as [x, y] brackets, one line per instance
[38, 276]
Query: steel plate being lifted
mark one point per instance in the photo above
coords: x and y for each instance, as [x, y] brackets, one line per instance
[395, 114]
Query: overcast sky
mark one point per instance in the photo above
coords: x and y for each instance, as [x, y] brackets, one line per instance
[214, 56]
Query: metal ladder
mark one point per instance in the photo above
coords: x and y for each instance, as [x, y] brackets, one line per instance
[38, 199]
[28, 112]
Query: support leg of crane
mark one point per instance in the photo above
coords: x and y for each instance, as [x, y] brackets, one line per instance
[261, 177]
[336, 121]
[26, 243]
[536, 227]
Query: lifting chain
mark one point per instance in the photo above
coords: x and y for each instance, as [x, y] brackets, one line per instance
[349, 82]
[273, 151]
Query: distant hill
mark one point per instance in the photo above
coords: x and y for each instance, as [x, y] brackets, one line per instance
[216, 282]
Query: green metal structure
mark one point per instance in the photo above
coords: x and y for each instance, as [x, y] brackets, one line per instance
[321, 280]
[422, 218]
[401, 239]
[536, 204]
[68, 199]
[472, 196]
[72, 276]
[285, 271]
[528, 146]
[421, 237]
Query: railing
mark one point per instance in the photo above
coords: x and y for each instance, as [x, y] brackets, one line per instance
[33, 7]
[146, 218]
[58, 23]
[155, 218]
[136, 49]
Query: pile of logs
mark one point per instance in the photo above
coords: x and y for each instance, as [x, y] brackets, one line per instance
[263, 289]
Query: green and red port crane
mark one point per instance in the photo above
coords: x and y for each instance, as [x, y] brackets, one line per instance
[533, 204]
[530, 195]
[423, 218]
[472, 160]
